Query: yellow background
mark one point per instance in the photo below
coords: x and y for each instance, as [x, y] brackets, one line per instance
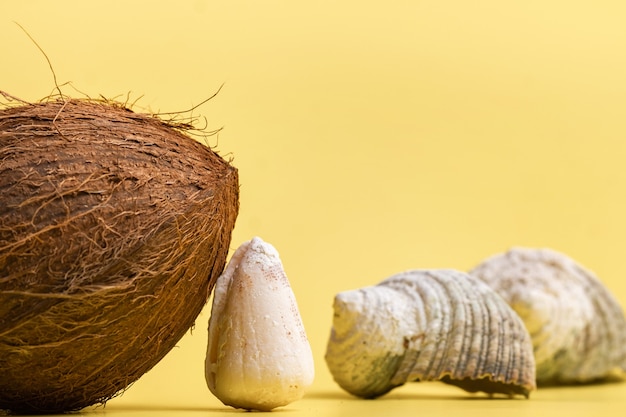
[370, 137]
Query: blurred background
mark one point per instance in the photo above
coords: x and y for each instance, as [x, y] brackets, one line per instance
[370, 137]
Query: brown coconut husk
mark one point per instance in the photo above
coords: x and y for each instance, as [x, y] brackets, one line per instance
[114, 227]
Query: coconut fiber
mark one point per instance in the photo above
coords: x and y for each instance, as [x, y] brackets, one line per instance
[114, 227]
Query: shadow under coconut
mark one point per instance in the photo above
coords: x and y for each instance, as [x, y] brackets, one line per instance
[121, 410]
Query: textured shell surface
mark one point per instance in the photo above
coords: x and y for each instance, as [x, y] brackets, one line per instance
[427, 325]
[577, 326]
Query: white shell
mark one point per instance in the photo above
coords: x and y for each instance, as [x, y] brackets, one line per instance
[258, 355]
[577, 327]
[425, 325]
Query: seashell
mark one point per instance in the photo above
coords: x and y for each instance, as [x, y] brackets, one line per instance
[258, 355]
[427, 325]
[577, 327]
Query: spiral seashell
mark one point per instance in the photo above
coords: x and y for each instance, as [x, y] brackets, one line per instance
[577, 327]
[426, 325]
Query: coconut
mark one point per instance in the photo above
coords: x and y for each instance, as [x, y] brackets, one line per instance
[114, 226]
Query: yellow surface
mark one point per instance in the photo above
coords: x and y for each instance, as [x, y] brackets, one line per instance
[370, 137]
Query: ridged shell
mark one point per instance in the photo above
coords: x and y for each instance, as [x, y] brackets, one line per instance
[577, 327]
[425, 325]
